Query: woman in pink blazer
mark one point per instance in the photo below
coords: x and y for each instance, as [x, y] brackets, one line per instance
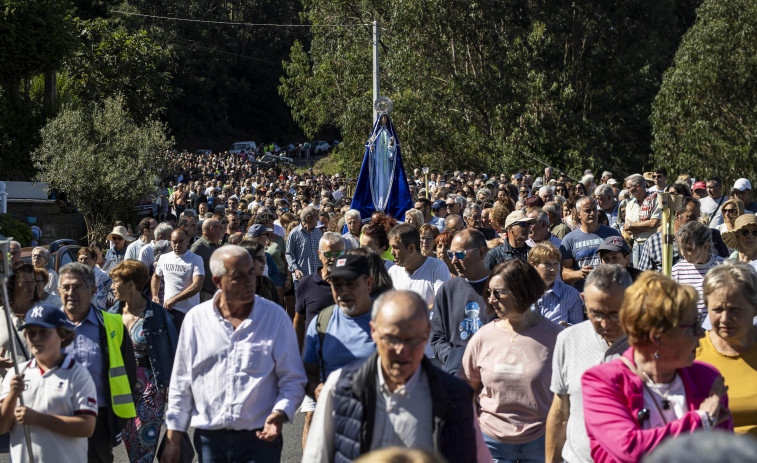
[656, 390]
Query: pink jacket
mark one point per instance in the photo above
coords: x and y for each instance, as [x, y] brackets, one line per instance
[613, 397]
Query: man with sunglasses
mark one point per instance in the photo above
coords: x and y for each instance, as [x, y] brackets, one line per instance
[459, 307]
[514, 246]
[660, 178]
[396, 397]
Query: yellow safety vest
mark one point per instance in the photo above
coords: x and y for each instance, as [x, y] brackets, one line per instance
[120, 390]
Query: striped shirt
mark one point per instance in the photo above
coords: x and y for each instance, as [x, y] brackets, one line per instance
[651, 254]
[561, 303]
[302, 250]
[693, 275]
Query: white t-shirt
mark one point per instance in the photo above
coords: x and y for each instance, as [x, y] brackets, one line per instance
[426, 280]
[66, 390]
[177, 273]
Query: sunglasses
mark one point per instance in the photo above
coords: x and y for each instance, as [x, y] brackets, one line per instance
[521, 224]
[116, 238]
[497, 293]
[730, 211]
[332, 254]
[459, 254]
[747, 232]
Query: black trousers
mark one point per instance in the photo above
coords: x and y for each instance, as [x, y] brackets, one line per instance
[100, 449]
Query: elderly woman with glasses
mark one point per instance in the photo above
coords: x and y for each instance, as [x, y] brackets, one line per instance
[730, 293]
[656, 390]
[743, 239]
[40, 259]
[41, 278]
[508, 363]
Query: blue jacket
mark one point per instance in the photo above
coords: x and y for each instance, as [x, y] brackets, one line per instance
[161, 336]
[355, 408]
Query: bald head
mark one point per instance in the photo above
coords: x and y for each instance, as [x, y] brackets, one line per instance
[398, 306]
[208, 224]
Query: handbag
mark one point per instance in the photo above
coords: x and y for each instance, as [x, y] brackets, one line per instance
[187, 450]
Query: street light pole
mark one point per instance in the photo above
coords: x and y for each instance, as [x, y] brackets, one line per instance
[376, 89]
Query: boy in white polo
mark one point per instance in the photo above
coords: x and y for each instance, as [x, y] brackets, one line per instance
[59, 394]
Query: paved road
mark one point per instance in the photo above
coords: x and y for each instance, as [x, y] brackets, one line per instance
[292, 452]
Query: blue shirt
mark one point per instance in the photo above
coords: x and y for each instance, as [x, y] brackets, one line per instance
[561, 303]
[302, 250]
[86, 350]
[347, 339]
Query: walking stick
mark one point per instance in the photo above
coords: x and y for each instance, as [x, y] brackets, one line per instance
[5, 273]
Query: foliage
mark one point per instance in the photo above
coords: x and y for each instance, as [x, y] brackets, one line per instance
[11, 227]
[705, 115]
[104, 161]
[111, 60]
[492, 85]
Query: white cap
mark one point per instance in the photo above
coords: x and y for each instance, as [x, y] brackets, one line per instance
[612, 181]
[742, 184]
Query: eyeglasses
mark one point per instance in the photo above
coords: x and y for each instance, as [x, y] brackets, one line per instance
[747, 232]
[116, 238]
[332, 254]
[730, 211]
[410, 343]
[448, 205]
[459, 254]
[657, 176]
[497, 293]
[599, 316]
[284, 209]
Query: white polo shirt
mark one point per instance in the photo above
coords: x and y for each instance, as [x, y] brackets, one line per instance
[65, 390]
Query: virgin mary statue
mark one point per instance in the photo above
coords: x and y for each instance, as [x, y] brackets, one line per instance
[382, 185]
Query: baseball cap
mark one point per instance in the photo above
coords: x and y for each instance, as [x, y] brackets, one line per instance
[350, 267]
[699, 186]
[615, 244]
[517, 176]
[612, 181]
[258, 229]
[517, 216]
[438, 204]
[742, 184]
[46, 316]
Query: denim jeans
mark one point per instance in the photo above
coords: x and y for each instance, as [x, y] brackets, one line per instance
[530, 452]
[226, 446]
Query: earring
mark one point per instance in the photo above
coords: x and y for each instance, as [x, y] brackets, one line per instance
[656, 355]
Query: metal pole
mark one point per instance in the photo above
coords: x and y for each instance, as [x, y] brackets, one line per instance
[14, 356]
[376, 87]
[667, 236]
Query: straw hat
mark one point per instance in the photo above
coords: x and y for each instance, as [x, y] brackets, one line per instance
[731, 238]
[121, 231]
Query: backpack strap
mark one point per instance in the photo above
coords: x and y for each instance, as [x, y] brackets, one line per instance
[321, 325]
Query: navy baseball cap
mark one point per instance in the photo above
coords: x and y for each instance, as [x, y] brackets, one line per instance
[350, 267]
[615, 244]
[438, 204]
[46, 316]
[258, 229]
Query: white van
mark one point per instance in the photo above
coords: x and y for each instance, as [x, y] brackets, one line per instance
[246, 146]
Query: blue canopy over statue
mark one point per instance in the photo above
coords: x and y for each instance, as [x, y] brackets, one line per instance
[382, 185]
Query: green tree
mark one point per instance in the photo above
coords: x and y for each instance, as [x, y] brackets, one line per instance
[491, 85]
[705, 116]
[104, 161]
[111, 60]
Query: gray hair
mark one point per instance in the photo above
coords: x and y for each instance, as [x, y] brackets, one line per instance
[637, 179]
[607, 276]
[604, 190]
[694, 234]
[546, 189]
[352, 213]
[14, 243]
[307, 211]
[45, 252]
[470, 208]
[160, 247]
[732, 274]
[583, 199]
[587, 180]
[219, 256]
[163, 230]
[331, 238]
[82, 271]
[553, 208]
[715, 446]
[606, 173]
[541, 216]
[388, 296]
[418, 215]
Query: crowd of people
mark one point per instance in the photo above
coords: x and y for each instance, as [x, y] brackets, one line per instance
[503, 318]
